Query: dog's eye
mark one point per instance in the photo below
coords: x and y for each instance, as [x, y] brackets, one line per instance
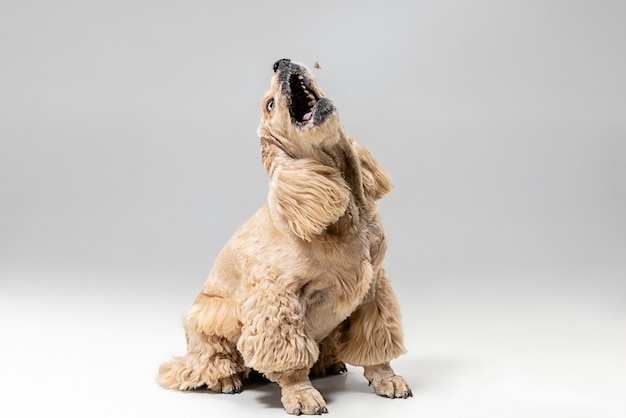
[269, 105]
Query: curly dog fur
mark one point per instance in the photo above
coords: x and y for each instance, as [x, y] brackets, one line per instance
[299, 289]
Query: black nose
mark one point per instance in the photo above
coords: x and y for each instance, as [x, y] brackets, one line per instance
[284, 61]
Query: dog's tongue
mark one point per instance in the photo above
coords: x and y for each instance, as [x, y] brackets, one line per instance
[307, 116]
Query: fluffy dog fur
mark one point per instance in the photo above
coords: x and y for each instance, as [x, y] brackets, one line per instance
[299, 289]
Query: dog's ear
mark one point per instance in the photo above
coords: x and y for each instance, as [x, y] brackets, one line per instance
[376, 182]
[310, 195]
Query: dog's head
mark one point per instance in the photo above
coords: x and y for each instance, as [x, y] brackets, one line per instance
[318, 176]
[296, 113]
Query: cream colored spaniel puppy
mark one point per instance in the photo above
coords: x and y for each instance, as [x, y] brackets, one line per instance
[300, 289]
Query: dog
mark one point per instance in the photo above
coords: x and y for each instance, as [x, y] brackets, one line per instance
[299, 289]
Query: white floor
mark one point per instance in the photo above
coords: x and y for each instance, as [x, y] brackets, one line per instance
[92, 350]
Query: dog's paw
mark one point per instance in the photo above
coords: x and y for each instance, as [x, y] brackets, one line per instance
[230, 384]
[337, 368]
[320, 370]
[306, 401]
[255, 377]
[392, 387]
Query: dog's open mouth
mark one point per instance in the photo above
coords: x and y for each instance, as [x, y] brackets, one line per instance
[301, 100]
[305, 102]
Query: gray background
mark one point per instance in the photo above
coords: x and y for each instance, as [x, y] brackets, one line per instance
[128, 156]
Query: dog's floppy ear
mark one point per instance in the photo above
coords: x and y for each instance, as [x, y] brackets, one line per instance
[376, 182]
[310, 195]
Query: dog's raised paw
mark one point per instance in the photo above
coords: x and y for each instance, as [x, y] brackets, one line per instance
[304, 401]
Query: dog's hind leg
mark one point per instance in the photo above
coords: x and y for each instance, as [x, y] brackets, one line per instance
[210, 361]
[372, 336]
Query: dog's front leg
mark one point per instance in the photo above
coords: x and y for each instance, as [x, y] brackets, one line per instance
[275, 341]
[298, 394]
[372, 336]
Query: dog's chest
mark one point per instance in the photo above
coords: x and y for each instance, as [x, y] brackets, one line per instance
[332, 296]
